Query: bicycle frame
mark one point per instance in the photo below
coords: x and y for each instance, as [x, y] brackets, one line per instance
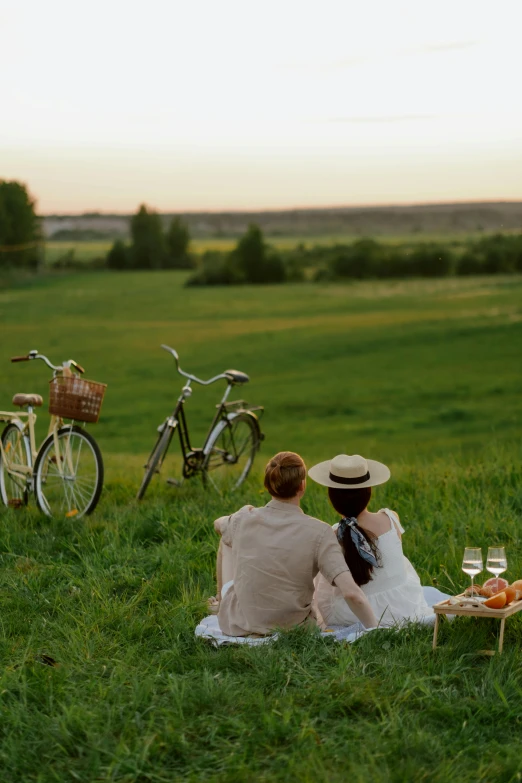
[178, 419]
[65, 472]
[219, 447]
[25, 472]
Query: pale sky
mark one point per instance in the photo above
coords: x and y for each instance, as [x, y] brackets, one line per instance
[236, 104]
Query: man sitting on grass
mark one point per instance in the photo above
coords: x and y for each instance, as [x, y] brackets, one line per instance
[268, 558]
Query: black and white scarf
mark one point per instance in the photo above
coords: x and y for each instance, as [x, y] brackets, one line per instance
[358, 538]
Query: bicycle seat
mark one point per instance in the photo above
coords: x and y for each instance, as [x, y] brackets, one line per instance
[28, 399]
[235, 377]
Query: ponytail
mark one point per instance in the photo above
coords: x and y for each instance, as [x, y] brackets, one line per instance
[350, 503]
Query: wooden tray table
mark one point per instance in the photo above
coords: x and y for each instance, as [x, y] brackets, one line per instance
[445, 608]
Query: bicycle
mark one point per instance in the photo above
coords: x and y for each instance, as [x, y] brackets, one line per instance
[232, 441]
[66, 472]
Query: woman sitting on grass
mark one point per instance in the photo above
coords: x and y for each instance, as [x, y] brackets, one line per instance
[372, 547]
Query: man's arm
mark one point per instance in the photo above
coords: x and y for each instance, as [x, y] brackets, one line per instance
[355, 598]
[332, 565]
[220, 524]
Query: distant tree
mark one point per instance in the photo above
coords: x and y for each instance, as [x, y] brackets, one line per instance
[249, 255]
[253, 262]
[178, 241]
[19, 226]
[148, 241]
[118, 256]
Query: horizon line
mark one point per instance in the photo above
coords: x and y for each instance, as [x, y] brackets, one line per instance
[268, 210]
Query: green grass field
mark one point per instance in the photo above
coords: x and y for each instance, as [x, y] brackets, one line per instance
[424, 375]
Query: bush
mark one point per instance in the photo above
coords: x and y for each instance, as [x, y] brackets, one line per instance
[273, 270]
[214, 269]
[251, 261]
[293, 269]
[470, 263]
[118, 256]
[254, 262]
[368, 259]
[498, 254]
[361, 260]
[432, 260]
[323, 275]
[178, 241]
[69, 262]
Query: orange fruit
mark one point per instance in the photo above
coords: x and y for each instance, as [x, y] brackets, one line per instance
[497, 584]
[511, 594]
[518, 587]
[497, 602]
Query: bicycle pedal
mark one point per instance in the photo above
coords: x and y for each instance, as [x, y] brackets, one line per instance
[15, 503]
[174, 482]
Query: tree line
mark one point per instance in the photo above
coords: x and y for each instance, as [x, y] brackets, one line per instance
[253, 260]
[369, 259]
[151, 247]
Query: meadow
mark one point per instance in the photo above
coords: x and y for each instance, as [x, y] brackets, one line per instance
[102, 678]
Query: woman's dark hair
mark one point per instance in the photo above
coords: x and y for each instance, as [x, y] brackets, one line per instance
[350, 503]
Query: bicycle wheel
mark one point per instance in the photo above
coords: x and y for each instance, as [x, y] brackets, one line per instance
[231, 454]
[157, 456]
[14, 489]
[69, 475]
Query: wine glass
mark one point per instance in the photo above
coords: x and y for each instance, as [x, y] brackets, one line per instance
[496, 563]
[472, 563]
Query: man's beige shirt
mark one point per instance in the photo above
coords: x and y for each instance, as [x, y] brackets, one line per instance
[278, 552]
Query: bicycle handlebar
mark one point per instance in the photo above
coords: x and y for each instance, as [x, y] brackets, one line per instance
[35, 355]
[188, 375]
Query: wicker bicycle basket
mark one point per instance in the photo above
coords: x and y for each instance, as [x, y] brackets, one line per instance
[75, 398]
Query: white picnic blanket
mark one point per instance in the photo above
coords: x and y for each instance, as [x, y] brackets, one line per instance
[209, 628]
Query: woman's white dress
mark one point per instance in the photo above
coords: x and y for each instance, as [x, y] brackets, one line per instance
[394, 592]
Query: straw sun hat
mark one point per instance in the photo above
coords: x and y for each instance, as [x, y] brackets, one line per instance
[349, 472]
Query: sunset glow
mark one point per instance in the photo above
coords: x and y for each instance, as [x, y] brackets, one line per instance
[233, 105]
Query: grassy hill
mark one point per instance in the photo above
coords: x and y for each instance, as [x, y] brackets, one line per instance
[405, 368]
[424, 375]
